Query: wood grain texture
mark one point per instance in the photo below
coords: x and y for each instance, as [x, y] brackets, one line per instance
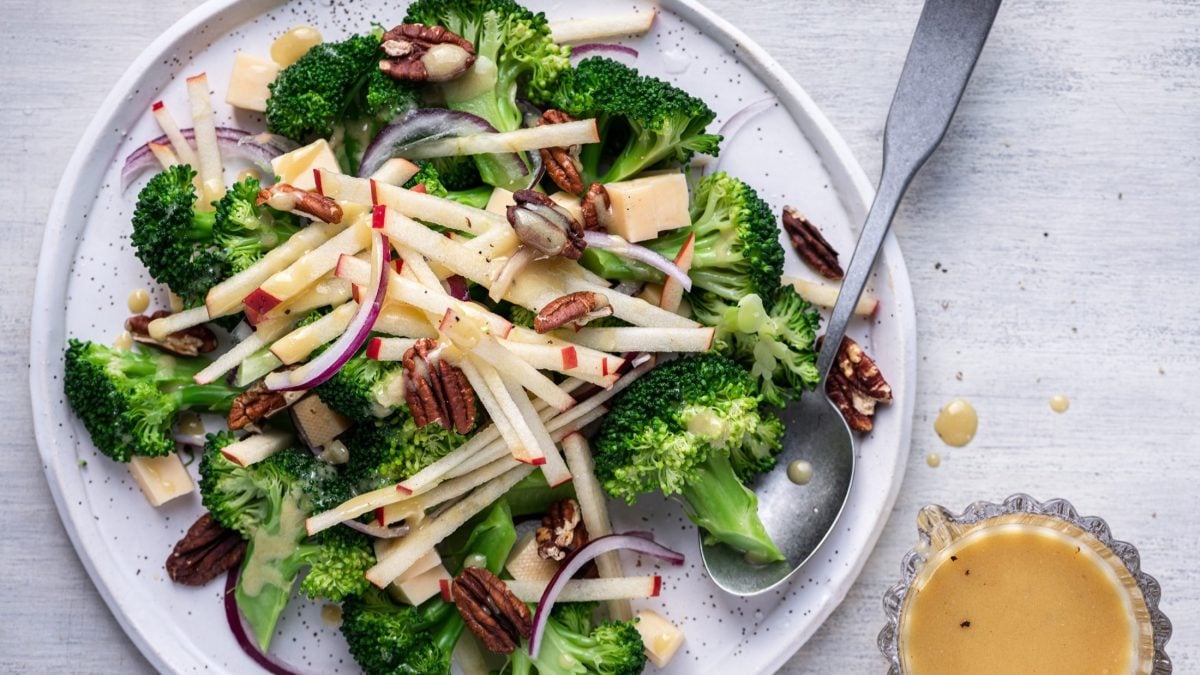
[1052, 243]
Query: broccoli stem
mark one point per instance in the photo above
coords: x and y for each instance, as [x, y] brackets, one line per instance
[211, 397]
[728, 510]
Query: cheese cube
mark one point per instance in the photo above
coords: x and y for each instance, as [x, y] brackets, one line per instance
[249, 81]
[661, 637]
[420, 588]
[161, 478]
[524, 563]
[499, 202]
[296, 167]
[569, 202]
[643, 207]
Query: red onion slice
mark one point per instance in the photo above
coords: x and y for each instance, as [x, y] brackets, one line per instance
[619, 246]
[259, 149]
[237, 624]
[377, 531]
[430, 124]
[594, 548]
[619, 53]
[324, 366]
[457, 287]
[734, 125]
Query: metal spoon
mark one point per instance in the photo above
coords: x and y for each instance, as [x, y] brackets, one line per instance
[949, 36]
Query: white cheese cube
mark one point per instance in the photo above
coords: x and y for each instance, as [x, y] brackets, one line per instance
[499, 202]
[296, 167]
[161, 478]
[524, 563]
[643, 207]
[248, 83]
[661, 637]
[569, 202]
[420, 588]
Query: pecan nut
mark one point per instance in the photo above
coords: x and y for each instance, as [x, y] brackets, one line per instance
[418, 53]
[436, 390]
[254, 405]
[496, 616]
[284, 197]
[811, 245]
[562, 164]
[205, 552]
[187, 342]
[855, 385]
[545, 226]
[562, 531]
[578, 308]
[596, 208]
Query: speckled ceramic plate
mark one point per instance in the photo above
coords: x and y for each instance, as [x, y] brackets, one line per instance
[790, 153]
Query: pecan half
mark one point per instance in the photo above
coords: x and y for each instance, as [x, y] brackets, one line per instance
[419, 53]
[491, 611]
[578, 307]
[810, 244]
[284, 197]
[562, 531]
[254, 405]
[855, 385]
[437, 391]
[596, 208]
[187, 342]
[205, 552]
[545, 226]
[562, 164]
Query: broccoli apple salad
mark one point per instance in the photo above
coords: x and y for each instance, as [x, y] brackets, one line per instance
[469, 276]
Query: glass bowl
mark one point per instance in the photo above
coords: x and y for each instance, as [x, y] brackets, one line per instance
[938, 528]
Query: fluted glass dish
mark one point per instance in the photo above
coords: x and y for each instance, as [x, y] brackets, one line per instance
[938, 528]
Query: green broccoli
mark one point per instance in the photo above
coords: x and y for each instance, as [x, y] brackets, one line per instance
[693, 427]
[431, 180]
[191, 249]
[337, 90]
[571, 645]
[777, 345]
[388, 450]
[643, 120]
[128, 400]
[357, 389]
[385, 638]
[513, 50]
[267, 503]
[737, 250]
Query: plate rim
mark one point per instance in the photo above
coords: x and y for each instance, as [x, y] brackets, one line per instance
[854, 190]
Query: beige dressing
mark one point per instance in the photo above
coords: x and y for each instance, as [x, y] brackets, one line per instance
[175, 301]
[934, 460]
[1059, 403]
[331, 615]
[138, 301]
[956, 423]
[270, 547]
[289, 47]
[123, 341]
[1018, 598]
[190, 424]
[248, 173]
[800, 471]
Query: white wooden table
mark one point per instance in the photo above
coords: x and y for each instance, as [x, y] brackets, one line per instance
[1053, 245]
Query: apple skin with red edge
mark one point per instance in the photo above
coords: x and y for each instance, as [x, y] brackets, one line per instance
[321, 190]
[373, 348]
[570, 358]
[260, 302]
[379, 217]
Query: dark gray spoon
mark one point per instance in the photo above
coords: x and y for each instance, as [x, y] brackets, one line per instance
[949, 36]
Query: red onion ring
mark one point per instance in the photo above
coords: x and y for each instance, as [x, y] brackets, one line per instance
[377, 531]
[621, 247]
[237, 625]
[581, 557]
[616, 52]
[259, 149]
[430, 124]
[734, 125]
[457, 287]
[324, 366]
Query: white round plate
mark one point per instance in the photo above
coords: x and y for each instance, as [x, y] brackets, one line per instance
[791, 154]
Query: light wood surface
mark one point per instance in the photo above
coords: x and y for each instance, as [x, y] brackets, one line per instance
[1053, 244]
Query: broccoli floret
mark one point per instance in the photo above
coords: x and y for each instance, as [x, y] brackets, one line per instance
[776, 346]
[513, 48]
[337, 90]
[431, 180]
[571, 645]
[192, 249]
[643, 120]
[385, 638]
[737, 250]
[356, 389]
[458, 173]
[389, 450]
[693, 427]
[267, 503]
[128, 400]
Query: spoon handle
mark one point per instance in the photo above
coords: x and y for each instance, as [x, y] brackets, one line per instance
[949, 36]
